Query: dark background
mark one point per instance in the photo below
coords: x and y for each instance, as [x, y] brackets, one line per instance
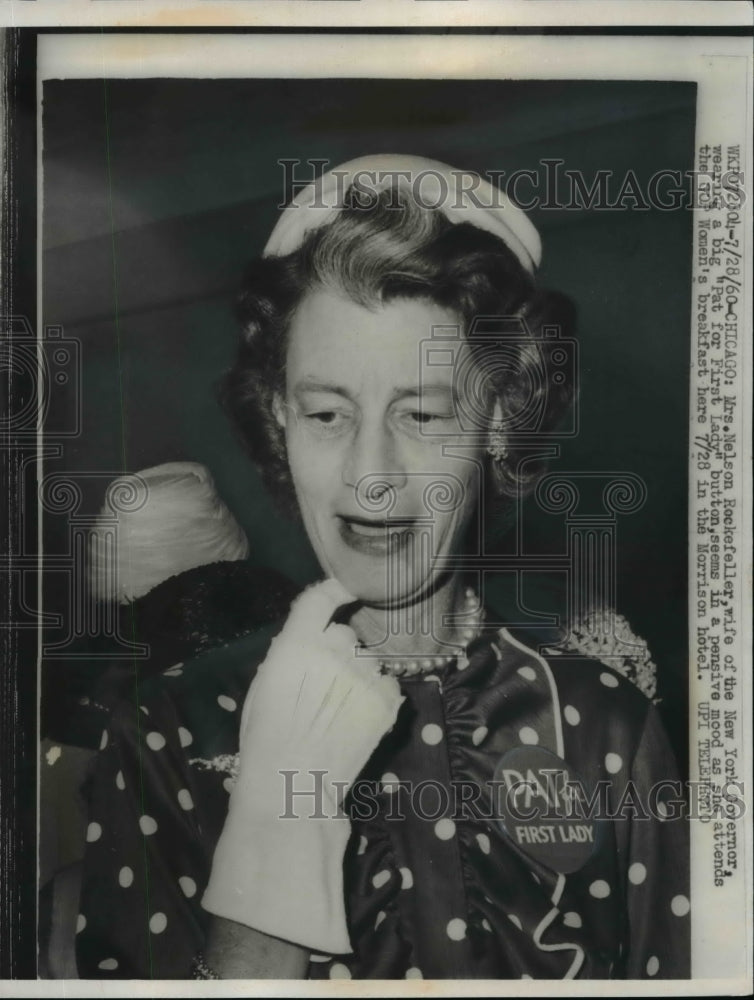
[157, 192]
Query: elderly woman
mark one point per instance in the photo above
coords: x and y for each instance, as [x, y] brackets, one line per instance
[370, 788]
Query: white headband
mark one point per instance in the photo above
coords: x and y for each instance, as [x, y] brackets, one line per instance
[461, 196]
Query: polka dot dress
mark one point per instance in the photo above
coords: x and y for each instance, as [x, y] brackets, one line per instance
[435, 888]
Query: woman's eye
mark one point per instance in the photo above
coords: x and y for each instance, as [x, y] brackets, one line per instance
[428, 417]
[427, 425]
[326, 421]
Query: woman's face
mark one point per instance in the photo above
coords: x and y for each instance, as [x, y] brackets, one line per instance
[385, 479]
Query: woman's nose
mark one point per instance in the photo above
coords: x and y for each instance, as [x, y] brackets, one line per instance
[373, 463]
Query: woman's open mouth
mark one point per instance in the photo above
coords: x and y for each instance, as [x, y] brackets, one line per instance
[374, 537]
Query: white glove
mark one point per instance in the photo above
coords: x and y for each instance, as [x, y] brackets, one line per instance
[313, 706]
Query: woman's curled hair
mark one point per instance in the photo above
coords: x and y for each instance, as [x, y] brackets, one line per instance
[394, 248]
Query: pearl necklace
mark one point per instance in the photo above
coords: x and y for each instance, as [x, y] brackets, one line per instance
[401, 666]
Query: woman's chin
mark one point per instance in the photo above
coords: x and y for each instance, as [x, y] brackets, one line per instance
[376, 592]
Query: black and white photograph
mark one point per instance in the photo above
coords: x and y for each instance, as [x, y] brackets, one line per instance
[384, 418]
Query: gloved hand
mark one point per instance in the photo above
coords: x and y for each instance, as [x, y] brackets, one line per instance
[313, 706]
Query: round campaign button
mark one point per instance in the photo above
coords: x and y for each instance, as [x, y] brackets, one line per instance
[545, 809]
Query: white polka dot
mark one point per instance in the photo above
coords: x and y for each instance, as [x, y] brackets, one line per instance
[380, 918]
[390, 782]
[157, 923]
[637, 873]
[103, 741]
[362, 844]
[185, 737]
[80, 923]
[599, 889]
[609, 680]
[479, 735]
[125, 877]
[414, 973]
[175, 671]
[184, 799]
[445, 829]
[528, 735]
[486, 924]
[680, 906]
[462, 662]
[147, 825]
[456, 929]
[144, 709]
[228, 784]
[528, 673]
[653, 966]
[339, 971]
[188, 886]
[226, 702]
[571, 715]
[93, 832]
[571, 919]
[514, 920]
[525, 975]
[380, 878]
[613, 763]
[320, 958]
[662, 810]
[120, 781]
[407, 878]
[484, 842]
[432, 734]
[108, 964]
[433, 679]
[155, 741]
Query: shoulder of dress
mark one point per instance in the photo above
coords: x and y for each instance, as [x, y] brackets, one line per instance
[576, 674]
[608, 643]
